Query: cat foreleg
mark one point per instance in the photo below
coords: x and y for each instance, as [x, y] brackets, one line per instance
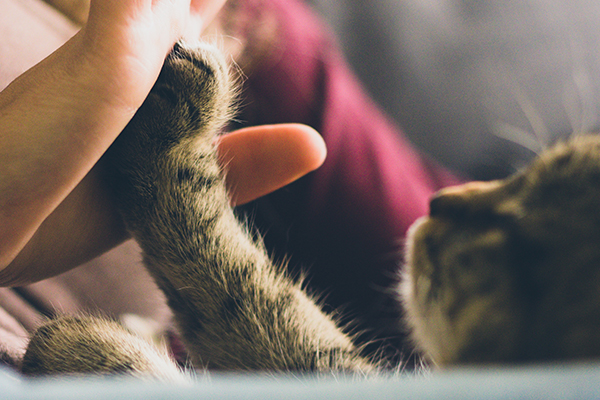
[235, 309]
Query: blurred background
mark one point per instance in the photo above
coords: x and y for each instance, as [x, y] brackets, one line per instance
[480, 85]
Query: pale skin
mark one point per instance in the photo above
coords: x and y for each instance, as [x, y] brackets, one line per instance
[58, 118]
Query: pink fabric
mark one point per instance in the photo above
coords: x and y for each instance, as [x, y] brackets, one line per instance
[32, 24]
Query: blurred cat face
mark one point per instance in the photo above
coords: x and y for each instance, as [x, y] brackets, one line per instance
[509, 271]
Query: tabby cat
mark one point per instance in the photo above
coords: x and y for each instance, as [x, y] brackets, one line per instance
[509, 271]
[499, 272]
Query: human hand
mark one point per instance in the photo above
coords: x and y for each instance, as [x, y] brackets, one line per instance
[59, 117]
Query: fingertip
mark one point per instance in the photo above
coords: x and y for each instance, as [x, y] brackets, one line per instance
[297, 148]
[310, 146]
[265, 158]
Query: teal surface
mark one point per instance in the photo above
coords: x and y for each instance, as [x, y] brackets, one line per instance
[576, 381]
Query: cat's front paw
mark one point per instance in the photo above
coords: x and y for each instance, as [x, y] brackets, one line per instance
[176, 125]
[193, 93]
[191, 99]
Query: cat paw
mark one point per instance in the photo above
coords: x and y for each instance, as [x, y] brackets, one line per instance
[89, 345]
[176, 124]
[193, 93]
[191, 99]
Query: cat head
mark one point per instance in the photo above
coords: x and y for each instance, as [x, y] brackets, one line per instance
[509, 271]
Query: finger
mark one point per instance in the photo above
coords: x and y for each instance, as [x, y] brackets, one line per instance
[202, 12]
[208, 9]
[259, 160]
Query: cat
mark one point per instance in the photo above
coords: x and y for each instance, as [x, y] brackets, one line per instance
[509, 271]
[499, 272]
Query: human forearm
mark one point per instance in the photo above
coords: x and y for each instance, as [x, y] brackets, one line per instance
[56, 120]
[82, 227]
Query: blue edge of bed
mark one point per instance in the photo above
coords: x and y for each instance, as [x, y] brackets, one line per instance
[553, 381]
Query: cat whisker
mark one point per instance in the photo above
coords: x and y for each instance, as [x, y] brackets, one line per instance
[537, 138]
[519, 136]
[578, 94]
